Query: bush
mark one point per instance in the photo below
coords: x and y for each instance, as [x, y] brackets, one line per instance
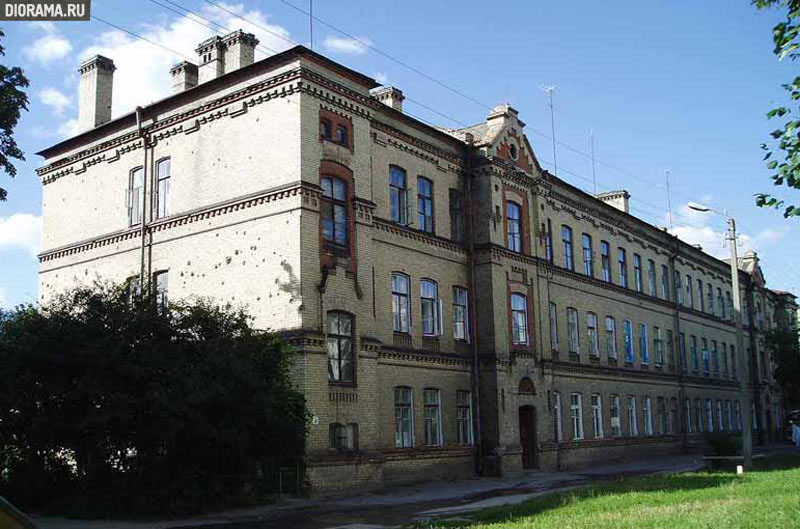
[723, 444]
[111, 407]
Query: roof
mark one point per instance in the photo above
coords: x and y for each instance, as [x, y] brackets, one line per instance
[202, 90]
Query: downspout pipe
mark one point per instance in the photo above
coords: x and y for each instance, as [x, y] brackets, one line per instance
[143, 224]
[476, 368]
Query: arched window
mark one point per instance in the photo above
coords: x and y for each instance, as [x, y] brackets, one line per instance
[401, 314]
[425, 204]
[519, 319]
[398, 195]
[163, 172]
[431, 308]
[526, 387]
[513, 216]
[334, 210]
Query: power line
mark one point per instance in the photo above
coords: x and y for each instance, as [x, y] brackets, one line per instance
[240, 17]
[154, 43]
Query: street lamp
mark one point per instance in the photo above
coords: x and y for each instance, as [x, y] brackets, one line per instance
[744, 412]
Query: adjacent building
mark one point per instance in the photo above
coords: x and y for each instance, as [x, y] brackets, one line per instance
[454, 307]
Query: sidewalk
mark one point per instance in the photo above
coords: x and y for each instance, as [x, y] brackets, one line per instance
[401, 504]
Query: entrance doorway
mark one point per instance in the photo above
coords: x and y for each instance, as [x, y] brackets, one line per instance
[527, 435]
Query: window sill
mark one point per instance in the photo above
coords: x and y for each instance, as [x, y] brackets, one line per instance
[340, 384]
[612, 361]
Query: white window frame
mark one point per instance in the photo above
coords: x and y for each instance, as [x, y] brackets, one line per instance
[616, 416]
[633, 422]
[576, 415]
[573, 337]
[593, 334]
[612, 339]
[403, 438]
[436, 304]
[647, 415]
[433, 421]
[460, 324]
[515, 326]
[597, 416]
[558, 418]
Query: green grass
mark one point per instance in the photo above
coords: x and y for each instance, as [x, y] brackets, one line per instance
[766, 498]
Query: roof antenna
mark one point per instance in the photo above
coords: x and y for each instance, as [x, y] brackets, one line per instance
[549, 90]
[311, 23]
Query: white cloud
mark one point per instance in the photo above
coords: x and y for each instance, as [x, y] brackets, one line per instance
[694, 227]
[55, 99]
[49, 47]
[142, 74]
[346, 45]
[21, 231]
[2, 297]
[382, 78]
[68, 129]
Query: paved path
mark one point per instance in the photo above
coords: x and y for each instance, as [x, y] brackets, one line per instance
[399, 505]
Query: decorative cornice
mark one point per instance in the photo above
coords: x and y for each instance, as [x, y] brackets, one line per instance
[418, 236]
[426, 357]
[200, 214]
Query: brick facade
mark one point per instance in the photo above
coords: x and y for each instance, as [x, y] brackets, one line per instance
[246, 225]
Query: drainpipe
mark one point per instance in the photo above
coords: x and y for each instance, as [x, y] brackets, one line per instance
[476, 370]
[143, 229]
[677, 340]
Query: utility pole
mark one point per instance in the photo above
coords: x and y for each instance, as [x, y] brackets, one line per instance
[747, 434]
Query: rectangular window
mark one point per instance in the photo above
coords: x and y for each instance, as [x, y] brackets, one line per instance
[623, 268]
[513, 218]
[334, 211]
[161, 280]
[637, 272]
[464, 417]
[647, 415]
[651, 278]
[433, 417]
[690, 292]
[724, 356]
[633, 423]
[611, 337]
[629, 354]
[658, 342]
[728, 416]
[672, 423]
[425, 204]
[687, 410]
[588, 258]
[135, 196]
[340, 347]
[700, 295]
[403, 418]
[665, 282]
[460, 314]
[557, 415]
[594, 338]
[682, 348]
[162, 188]
[720, 422]
[729, 304]
[706, 357]
[605, 260]
[661, 416]
[572, 330]
[553, 326]
[644, 341]
[398, 195]
[400, 302]
[456, 216]
[678, 288]
[714, 358]
[720, 304]
[597, 416]
[698, 416]
[566, 239]
[576, 415]
[616, 425]
[519, 319]
[693, 352]
[709, 415]
[548, 241]
[431, 308]
[710, 297]
[671, 349]
[343, 437]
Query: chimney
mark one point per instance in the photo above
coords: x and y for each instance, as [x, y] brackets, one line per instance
[94, 94]
[618, 199]
[184, 76]
[389, 96]
[240, 50]
[211, 59]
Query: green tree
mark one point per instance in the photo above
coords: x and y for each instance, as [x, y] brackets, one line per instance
[111, 407]
[12, 101]
[785, 349]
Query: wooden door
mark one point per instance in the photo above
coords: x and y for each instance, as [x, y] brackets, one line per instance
[527, 435]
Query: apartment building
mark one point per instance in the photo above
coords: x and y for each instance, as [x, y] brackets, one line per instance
[454, 307]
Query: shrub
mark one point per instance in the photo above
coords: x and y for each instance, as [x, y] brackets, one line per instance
[723, 444]
[111, 407]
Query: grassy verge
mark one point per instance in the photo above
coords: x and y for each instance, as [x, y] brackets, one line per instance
[767, 497]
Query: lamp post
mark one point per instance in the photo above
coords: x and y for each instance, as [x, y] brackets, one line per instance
[744, 412]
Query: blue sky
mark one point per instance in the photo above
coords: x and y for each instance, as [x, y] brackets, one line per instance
[664, 85]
